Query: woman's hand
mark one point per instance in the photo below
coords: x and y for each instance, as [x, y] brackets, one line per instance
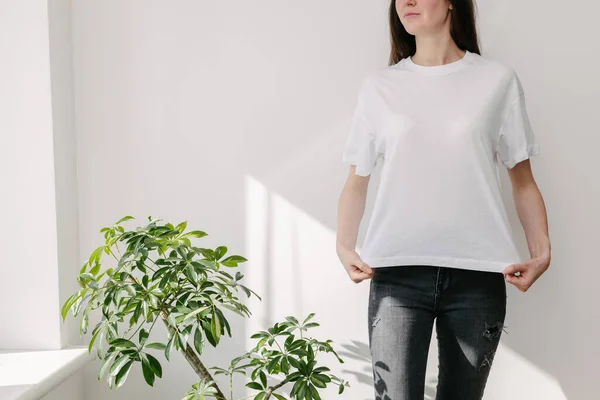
[527, 272]
[355, 267]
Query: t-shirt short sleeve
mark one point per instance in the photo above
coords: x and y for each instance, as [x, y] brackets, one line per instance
[516, 141]
[361, 148]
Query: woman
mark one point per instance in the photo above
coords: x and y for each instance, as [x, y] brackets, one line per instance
[439, 245]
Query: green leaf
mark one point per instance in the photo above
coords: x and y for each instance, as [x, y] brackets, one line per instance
[206, 327]
[313, 392]
[197, 234]
[295, 388]
[272, 364]
[260, 334]
[181, 309]
[86, 276]
[206, 264]
[294, 377]
[302, 390]
[317, 382]
[106, 364]
[220, 252]
[68, 304]
[94, 271]
[279, 397]
[122, 374]
[118, 364]
[129, 288]
[92, 340]
[112, 331]
[285, 365]
[308, 318]
[83, 268]
[160, 272]
[169, 347]
[254, 385]
[126, 218]
[320, 377]
[311, 357]
[143, 336]
[198, 340]
[120, 342]
[154, 365]
[181, 227]
[96, 254]
[147, 371]
[215, 326]
[181, 341]
[233, 261]
[294, 362]
[156, 346]
[192, 274]
[153, 300]
[263, 378]
[249, 292]
[196, 312]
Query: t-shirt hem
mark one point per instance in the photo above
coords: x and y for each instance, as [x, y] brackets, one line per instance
[460, 263]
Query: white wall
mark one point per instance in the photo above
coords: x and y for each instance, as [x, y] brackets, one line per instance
[555, 325]
[38, 180]
[232, 115]
[71, 389]
[29, 294]
[63, 110]
[39, 174]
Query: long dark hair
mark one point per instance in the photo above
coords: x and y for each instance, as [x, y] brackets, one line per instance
[462, 29]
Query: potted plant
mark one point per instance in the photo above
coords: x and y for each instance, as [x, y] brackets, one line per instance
[162, 276]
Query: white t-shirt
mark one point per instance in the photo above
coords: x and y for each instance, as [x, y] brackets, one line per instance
[440, 132]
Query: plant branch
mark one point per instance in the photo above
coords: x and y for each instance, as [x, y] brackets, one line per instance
[272, 389]
[192, 358]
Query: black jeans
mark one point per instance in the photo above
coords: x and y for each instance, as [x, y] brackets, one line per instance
[469, 308]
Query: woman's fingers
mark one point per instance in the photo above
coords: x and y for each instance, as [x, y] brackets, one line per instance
[514, 275]
[511, 269]
[355, 267]
[521, 275]
[364, 267]
[357, 275]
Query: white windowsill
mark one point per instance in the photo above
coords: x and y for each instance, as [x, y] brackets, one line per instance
[30, 375]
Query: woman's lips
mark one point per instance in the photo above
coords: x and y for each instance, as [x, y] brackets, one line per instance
[409, 15]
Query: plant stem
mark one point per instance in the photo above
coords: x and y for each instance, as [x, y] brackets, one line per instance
[271, 389]
[137, 330]
[192, 358]
[277, 343]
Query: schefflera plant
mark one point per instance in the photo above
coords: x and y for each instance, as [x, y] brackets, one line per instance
[160, 275]
[295, 359]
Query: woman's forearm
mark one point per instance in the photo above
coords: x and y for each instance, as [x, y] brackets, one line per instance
[351, 207]
[532, 214]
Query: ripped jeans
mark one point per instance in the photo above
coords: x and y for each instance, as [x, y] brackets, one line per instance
[469, 308]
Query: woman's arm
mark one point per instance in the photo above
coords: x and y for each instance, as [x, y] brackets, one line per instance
[532, 215]
[351, 207]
